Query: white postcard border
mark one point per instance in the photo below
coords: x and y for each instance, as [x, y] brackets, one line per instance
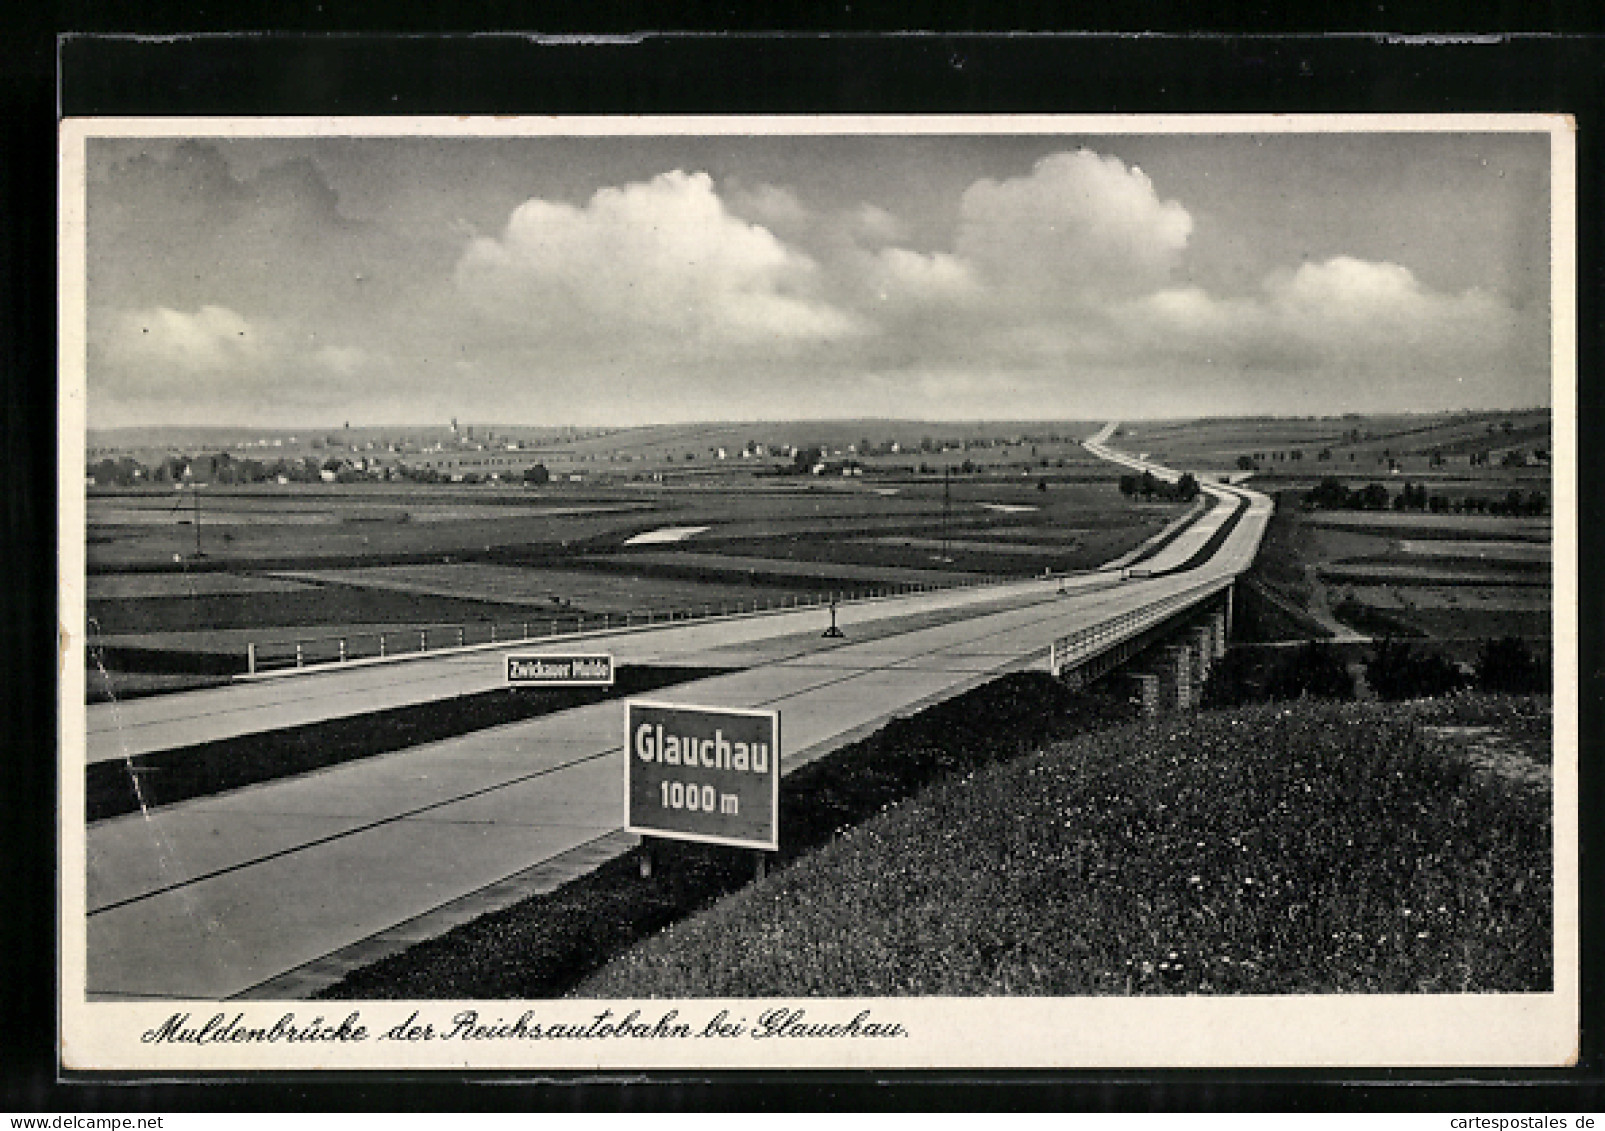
[1425, 1031]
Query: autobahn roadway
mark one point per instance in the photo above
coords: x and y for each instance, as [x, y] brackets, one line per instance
[276, 889]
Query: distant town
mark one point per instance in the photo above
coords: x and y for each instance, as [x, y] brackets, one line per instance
[470, 454]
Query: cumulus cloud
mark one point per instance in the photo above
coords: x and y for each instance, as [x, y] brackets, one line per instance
[874, 226]
[174, 360]
[212, 340]
[897, 274]
[773, 206]
[1370, 324]
[1068, 289]
[1078, 224]
[661, 257]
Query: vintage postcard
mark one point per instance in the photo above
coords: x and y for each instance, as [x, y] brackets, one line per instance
[876, 592]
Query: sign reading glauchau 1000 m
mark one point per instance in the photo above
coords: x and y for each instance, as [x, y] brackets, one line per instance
[703, 773]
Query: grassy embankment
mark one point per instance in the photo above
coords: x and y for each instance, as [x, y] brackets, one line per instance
[1056, 849]
[165, 777]
[1316, 848]
[1274, 602]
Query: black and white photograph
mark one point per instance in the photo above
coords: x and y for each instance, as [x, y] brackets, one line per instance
[885, 592]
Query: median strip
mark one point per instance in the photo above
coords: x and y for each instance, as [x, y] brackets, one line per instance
[165, 777]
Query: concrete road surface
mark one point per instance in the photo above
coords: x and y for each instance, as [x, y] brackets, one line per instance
[164, 722]
[277, 889]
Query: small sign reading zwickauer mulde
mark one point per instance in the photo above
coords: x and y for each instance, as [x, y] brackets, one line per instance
[561, 671]
[703, 773]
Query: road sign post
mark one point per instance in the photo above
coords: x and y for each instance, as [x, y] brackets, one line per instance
[709, 774]
[565, 670]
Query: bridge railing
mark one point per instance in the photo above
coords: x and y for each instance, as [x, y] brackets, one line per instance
[263, 657]
[1075, 648]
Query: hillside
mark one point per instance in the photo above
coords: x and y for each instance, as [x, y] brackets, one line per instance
[1308, 848]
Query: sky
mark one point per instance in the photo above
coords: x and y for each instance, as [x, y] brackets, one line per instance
[284, 282]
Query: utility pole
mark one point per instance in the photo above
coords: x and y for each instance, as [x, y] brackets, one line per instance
[947, 507]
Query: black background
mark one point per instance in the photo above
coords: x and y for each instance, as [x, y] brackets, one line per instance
[823, 58]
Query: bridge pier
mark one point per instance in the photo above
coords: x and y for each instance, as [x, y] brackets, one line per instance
[1176, 679]
[1200, 641]
[1169, 663]
[1217, 624]
[1146, 687]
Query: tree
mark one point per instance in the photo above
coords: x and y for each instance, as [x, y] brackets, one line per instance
[1329, 494]
[537, 474]
[1395, 671]
[1246, 463]
[1187, 487]
[115, 472]
[1374, 497]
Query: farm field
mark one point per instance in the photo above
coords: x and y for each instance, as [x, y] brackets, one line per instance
[1422, 445]
[290, 526]
[543, 590]
[964, 551]
[1454, 579]
[281, 564]
[284, 527]
[1437, 526]
[773, 571]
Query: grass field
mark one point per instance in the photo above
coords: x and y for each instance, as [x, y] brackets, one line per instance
[1272, 850]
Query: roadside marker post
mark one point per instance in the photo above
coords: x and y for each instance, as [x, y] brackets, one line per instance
[833, 632]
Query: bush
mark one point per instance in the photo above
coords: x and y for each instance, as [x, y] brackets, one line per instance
[1396, 671]
[1314, 670]
[1509, 666]
[1236, 678]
